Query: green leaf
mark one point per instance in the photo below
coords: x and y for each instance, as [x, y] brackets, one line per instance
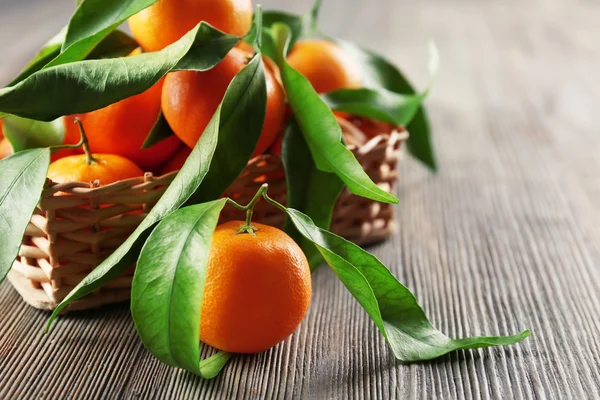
[168, 286]
[209, 170]
[295, 23]
[159, 132]
[23, 133]
[91, 23]
[21, 183]
[85, 86]
[116, 44]
[380, 73]
[43, 57]
[320, 128]
[379, 104]
[310, 191]
[388, 302]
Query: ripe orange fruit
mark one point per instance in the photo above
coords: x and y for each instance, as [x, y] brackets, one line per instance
[106, 168]
[167, 21]
[121, 129]
[326, 65]
[176, 162]
[258, 289]
[5, 148]
[190, 98]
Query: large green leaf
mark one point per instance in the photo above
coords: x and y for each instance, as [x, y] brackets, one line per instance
[168, 286]
[380, 73]
[310, 191]
[320, 128]
[23, 133]
[379, 104]
[393, 308]
[116, 44]
[91, 23]
[22, 178]
[207, 172]
[85, 86]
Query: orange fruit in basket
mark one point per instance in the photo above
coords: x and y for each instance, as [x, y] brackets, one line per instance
[258, 289]
[167, 21]
[88, 167]
[326, 65]
[190, 98]
[121, 129]
[106, 168]
[5, 148]
[176, 162]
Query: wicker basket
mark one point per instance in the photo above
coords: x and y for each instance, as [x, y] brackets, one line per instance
[77, 225]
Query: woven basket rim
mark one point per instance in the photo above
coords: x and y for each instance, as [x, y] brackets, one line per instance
[149, 180]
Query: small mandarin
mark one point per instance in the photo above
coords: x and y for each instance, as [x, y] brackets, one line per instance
[106, 168]
[167, 21]
[122, 127]
[190, 98]
[5, 148]
[258, 289]
[176, 162]
[326, 65]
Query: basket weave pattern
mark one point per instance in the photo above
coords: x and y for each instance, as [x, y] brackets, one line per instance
[77, 225]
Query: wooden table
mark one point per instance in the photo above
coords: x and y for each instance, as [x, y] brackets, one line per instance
[505, 237]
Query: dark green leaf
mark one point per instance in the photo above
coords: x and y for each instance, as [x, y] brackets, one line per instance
[234, 121]
[21, 182]
[242, 120]
[43, 57]
[85, 86]
[168, 286]
[380, 73]
[379, 104]
[320, 128]
[116, 44]
[390, 304]
[159, 132]
[310, 191]
[91, 23]
[23, 133]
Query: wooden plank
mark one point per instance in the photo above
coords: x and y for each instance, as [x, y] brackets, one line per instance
[506, 237]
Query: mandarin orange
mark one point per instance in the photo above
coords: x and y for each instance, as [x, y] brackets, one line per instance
[5, 148]
[258, 289]
[106, 168]
[121, 129]
[190, 98]
[167, 21]
[327, 66]
[176, 162]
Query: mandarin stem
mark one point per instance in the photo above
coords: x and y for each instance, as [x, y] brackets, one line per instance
[89, 159]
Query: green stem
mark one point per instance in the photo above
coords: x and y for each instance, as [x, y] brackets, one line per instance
[89, 159]
[313, 18]
[247, 227]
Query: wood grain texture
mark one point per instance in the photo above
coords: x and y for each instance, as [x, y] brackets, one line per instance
[506, 237]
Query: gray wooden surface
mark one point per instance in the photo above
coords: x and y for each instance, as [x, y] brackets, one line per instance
[506, 237]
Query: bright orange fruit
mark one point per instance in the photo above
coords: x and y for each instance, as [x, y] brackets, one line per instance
[5, 148]
[121, 129]
[326, 65]
[167, 21]
[176, 162]
[106, 168]
[258, 289]
[190, 98]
